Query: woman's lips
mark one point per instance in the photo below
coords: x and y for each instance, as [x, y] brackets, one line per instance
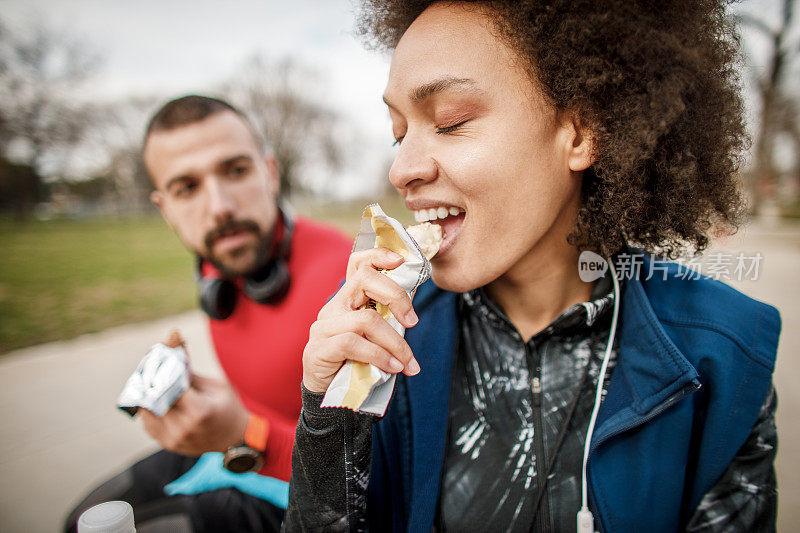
[451, 227]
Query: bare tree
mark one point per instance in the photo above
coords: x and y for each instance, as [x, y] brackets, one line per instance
[40, 71]
[789, 124]
[118, 135]
[778, 99]
[285, 101]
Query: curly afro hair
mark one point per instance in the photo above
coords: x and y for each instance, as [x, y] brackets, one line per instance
[656, 82]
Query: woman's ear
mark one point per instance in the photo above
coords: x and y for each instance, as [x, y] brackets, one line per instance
[580, 155]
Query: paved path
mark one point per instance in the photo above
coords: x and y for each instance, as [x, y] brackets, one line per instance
[779, 285]
[62, 434]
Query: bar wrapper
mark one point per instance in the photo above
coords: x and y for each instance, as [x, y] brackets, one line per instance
[159, 380]
[358, 386]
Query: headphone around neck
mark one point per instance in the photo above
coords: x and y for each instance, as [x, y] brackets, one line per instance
[268, 286]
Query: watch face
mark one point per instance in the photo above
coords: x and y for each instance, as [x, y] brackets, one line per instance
[242, 459]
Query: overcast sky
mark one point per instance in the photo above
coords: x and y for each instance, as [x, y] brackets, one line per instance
[177, 46]
[172, 47]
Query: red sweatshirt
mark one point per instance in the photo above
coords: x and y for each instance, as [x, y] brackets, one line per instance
[260, 347]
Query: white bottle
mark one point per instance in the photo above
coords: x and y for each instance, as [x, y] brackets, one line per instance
[108, 517]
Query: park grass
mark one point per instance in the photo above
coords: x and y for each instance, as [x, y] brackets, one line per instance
[62, 278]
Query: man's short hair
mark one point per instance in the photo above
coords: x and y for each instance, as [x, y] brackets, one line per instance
[194, 108]
[187, 110]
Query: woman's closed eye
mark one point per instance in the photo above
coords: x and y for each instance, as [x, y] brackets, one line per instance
[441, 130]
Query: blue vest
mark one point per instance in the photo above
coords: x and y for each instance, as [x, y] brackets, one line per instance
[695, 364]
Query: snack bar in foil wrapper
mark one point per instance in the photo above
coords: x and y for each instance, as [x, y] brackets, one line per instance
[159, 380]
[358, 386]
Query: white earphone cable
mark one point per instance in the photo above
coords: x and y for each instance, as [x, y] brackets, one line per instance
[585, 518]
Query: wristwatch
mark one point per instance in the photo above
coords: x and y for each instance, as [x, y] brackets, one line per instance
[248, 455]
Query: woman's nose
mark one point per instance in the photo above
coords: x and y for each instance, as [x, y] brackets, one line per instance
[413, 165]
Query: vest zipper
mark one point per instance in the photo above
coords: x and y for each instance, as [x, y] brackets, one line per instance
[538, 439]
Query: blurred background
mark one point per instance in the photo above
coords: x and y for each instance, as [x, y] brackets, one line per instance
[90, 275]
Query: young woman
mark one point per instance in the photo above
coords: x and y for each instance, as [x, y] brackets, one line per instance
[551, 128]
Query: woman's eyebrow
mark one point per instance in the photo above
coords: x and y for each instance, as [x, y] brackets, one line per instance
[432, 88]
[425, 91]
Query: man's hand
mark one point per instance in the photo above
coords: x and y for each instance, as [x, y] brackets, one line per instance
[208, 417]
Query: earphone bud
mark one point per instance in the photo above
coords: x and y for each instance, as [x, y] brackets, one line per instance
[269, 286]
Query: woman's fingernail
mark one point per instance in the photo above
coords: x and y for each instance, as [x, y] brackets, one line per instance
[411, 318]
[413, 367]
[395, 365]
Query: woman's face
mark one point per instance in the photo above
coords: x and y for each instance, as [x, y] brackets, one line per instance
[476, 138]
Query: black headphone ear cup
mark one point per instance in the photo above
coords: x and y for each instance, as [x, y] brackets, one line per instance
[217, 297]
[273, 288]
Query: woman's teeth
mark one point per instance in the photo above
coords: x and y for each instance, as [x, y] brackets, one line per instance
[434, 213]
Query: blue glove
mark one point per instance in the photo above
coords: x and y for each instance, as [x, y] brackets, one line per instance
[208, 474]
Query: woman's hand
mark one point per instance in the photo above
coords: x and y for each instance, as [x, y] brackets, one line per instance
[343, 331]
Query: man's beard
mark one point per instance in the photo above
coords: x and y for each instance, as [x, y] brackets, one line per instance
[263, 248]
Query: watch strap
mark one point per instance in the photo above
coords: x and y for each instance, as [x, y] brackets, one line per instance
[257, 433]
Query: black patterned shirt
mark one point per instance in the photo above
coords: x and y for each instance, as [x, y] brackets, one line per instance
[509, 401]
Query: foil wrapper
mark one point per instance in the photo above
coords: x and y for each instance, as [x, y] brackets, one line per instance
[358, 386]
[157, 383]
